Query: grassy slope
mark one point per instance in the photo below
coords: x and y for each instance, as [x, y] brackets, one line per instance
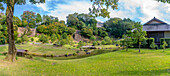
[43, 49]
[149, 62]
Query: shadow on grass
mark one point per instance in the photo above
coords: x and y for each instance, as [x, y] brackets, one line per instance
[146, 73]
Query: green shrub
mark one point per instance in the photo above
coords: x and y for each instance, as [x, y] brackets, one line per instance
[43, 38]
[19, 41]
[167, 41]
[32, 39]
[93, 38]
[66, 54]
[95, 43]
[103, 42]
[80, 44]
[153, 45]
[107, 40]
[74, 54]
[24, 38]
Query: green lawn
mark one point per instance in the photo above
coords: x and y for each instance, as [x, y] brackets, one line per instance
[120, 63]
[43, 49]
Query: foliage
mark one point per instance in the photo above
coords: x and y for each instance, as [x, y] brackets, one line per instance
[32, 39]
[30, 18]
[164, 1]
[164, 45]
[107, 40]
[95, 43]
[101, 7]
[43, 38]
[167, 41]
[53, 38]
[80, 21]
[93, 38]
[24, 38]
[18, 41]
[87, 32]
[38, 18]
[138, 34]
[80, 44]
[153, 45]
[47, 20]
[127, 42]
[74, 54]
[103, 42]
[117, 27]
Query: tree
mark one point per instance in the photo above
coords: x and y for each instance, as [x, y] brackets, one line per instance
[138, 34]
[53, 38]
[43, 38]
[38, 18]
[9, 21]
[127, 42]
[49, 19]
[117, 27]
[30, 17]
[164, 45]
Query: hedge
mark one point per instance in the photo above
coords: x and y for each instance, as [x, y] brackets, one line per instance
[149, 42]
[167, 41]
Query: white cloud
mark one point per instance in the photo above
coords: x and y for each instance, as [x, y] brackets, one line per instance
[147, 8]
[63, 10]
[134, 9]
[42, 6]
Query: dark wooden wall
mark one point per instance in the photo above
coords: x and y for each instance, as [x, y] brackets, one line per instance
[156, 35]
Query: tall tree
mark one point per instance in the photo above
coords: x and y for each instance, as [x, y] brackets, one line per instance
[9, 21]
[138, 34]
[30, 17]
[38, 18]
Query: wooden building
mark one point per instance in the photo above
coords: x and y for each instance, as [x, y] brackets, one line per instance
[157, 29]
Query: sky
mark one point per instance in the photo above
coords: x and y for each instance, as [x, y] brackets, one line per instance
[137, 10]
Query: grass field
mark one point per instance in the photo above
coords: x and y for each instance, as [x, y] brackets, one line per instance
[43, 49]
[120, 63]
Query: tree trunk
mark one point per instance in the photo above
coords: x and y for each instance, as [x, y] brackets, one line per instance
[139, 47]
[9, 19]
[126, 48]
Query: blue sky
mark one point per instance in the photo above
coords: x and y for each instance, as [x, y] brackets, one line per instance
[137, 10]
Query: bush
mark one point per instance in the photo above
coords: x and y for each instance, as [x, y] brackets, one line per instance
[19, 41]
[66, 54]
[24, 38]
[93, 38]
[80, 44]
[167, 41]
[43, 38]
[32, 39]
[103, 42]
[74, 54]
[95, 43]
[153, 45]
[107, 40]
[53, 38]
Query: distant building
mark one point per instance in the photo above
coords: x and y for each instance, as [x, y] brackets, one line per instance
[99, 24]
[157, 29]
